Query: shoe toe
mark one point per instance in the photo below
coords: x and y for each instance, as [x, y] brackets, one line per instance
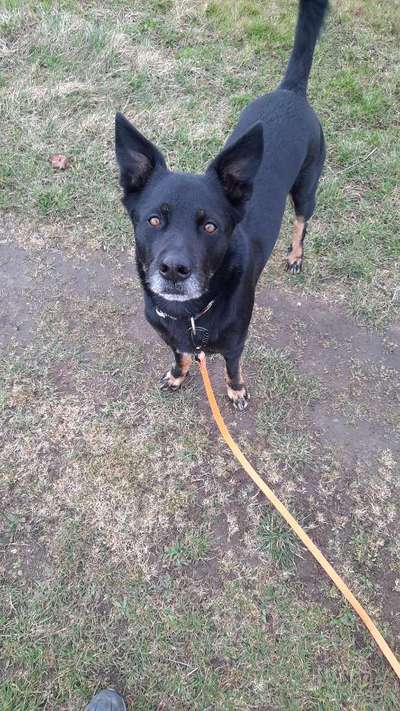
[106, 700]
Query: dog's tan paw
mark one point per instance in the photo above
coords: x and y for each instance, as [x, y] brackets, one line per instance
[294, 261]
[295, 266]
[239, 398]
[169, 383]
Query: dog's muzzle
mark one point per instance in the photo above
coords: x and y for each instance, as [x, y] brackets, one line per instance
[181, 290]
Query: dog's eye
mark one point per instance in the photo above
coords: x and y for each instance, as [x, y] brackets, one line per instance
[154, 221]
[210, 227]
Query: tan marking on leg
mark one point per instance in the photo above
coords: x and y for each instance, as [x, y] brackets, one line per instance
[295, 256]
[240, 397]
[186, 362]
[169, 381]
[297, 245]
[235, 394]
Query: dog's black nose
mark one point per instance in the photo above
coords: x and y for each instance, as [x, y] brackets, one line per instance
[175, 268]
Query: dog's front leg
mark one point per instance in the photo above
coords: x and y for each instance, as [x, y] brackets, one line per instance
[173, 379]
[236, 389]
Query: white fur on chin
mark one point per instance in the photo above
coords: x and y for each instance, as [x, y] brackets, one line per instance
[176, 297]
[192, 288]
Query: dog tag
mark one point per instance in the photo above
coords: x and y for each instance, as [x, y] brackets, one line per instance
[199, 338]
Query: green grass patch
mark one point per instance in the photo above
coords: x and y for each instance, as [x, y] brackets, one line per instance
[282, 388]
[180, 651]
[194, 546]
[278, 540]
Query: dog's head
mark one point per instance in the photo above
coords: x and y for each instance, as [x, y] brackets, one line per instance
[183, 222]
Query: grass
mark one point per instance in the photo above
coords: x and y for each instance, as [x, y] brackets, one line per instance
[162, 649]
[194, 546]
[135, 553]
[278, 541]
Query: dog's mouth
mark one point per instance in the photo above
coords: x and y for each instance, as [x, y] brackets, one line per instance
[172, 293]
[191, 288]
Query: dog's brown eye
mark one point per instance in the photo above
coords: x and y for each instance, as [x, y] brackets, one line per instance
[210, 227]
[154, 221]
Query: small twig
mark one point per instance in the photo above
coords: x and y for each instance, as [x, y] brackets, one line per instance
[193, 671]
[176, 661]
[353, 165]
[14, 543]
[38, 638]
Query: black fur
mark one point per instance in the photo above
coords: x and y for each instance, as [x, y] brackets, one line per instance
[309, 24]
[276, 149]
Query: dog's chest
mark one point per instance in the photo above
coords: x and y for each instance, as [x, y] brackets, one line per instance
[186, 336]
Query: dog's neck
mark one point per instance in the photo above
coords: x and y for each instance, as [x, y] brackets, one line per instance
[203, 312]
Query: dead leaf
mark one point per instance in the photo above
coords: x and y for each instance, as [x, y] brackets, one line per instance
[60, 162]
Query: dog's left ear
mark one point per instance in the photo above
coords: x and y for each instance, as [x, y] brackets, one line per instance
[137, 157]
[236, 166]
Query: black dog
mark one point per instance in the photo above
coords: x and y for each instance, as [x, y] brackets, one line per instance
[203, 240]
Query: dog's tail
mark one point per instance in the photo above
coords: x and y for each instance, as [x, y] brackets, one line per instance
[309, 23]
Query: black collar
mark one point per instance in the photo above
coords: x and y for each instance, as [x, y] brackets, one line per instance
[198, 334]
[163, 314]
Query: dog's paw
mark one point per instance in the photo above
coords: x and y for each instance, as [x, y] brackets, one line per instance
[294, 264]
[169, 383]
[294, 267]
[239, 398]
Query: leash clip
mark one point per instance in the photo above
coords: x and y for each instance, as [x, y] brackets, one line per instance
[199, 336]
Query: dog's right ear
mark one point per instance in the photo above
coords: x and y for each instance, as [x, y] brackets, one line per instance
[137, 157]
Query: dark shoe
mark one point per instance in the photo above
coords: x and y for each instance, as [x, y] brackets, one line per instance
[107, 700]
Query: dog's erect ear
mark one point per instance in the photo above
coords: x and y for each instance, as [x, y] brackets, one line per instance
[136, 156]
[236, 166]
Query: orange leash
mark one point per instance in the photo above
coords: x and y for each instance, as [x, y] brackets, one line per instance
[314, 550]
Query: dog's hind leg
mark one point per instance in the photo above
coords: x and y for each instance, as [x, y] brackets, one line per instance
[173, 379]
[303, 195]
[294, 261]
